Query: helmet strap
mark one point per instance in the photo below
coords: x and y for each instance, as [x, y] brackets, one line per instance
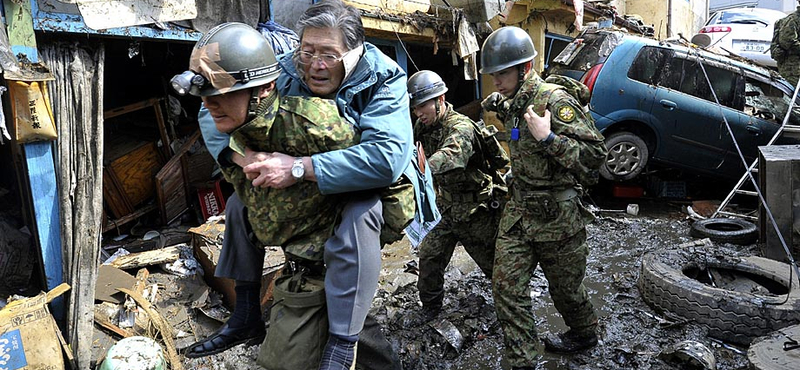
[522, 71]
[252, 106]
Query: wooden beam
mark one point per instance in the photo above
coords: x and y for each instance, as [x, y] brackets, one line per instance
[386, 29]
[147, 258]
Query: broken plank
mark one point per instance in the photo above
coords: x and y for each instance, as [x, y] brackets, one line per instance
[130, 217]
[154, 257]
[104, 323]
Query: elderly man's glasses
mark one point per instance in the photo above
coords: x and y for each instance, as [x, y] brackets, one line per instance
[329, 60]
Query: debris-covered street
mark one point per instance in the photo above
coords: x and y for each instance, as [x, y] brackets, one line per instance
[322, 129]
[466, 335]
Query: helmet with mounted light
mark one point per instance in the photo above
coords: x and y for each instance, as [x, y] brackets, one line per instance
[230, 57]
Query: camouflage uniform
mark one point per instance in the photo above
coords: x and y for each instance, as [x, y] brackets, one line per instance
[298, 217]
[544, 222]
[464, 197]
[789, 66]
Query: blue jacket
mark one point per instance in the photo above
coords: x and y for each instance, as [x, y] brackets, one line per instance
[375, 101]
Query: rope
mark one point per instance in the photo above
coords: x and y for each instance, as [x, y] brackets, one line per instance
[749, 173]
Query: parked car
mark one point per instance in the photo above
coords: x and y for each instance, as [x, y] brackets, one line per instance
[746, 32]
[652, 102]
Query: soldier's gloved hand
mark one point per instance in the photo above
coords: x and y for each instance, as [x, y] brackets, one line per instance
[492, 102]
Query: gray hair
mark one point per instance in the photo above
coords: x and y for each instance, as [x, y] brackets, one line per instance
[334, 14]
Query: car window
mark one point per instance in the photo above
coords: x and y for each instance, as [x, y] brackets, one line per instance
[764, 101]
[767, 102]
[686, 75]
[727, 17]
[648, 63]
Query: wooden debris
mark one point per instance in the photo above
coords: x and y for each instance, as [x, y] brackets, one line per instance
[105, 323]
[154, 257]
[163, 326]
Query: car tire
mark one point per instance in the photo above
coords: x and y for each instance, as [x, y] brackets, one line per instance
[725, 230]
[627, 157]
[730, 315]
[769, 353]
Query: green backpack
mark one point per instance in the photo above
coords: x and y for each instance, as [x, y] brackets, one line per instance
[581, 93]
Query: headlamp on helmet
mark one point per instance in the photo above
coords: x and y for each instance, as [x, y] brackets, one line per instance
[188, 82]
[231, 56]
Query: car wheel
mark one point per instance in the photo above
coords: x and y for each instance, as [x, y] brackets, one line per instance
[725, 230]
[627, 156]
[775, 351]
[738, 298]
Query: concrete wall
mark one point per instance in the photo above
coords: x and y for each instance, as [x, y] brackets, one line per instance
[671, 17]
[287, 12]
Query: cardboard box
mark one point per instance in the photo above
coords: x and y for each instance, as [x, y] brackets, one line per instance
[29, 336]
[207, 246]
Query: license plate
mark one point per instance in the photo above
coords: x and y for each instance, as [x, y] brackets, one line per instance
[751, 46]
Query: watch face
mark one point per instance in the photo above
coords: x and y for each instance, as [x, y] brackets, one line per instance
[297, 171]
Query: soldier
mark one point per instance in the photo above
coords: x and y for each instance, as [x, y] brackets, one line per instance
[333, 61]
[298, 218]
[544, 220]
[786, 46]
[465, 188]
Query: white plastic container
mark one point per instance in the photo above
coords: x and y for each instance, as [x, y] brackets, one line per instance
[135, 353]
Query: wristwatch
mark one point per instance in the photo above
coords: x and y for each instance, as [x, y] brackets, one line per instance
[298, 170]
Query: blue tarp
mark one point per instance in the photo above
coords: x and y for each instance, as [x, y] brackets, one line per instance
[281, 38]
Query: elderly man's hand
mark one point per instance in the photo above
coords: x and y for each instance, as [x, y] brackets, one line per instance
[250, 158]
[537, 125]
[273, 171]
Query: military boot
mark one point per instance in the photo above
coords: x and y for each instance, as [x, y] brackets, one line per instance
[569, 342]
[423, 316]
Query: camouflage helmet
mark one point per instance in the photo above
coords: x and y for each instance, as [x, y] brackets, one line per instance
[506, 47]
[424, 86]
[232, 56]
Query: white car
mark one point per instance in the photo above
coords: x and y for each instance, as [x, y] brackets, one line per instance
[746, 32]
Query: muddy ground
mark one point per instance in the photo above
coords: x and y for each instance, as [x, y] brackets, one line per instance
[633, 335]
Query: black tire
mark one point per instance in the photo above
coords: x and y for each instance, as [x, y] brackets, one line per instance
[767, 353]
[627, 157]
[733, 316]
[725, 230]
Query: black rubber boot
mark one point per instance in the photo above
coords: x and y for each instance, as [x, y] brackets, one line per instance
[374, 352]
[569, 342]
[423, 316]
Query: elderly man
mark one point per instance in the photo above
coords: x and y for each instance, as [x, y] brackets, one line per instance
[369, 89]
